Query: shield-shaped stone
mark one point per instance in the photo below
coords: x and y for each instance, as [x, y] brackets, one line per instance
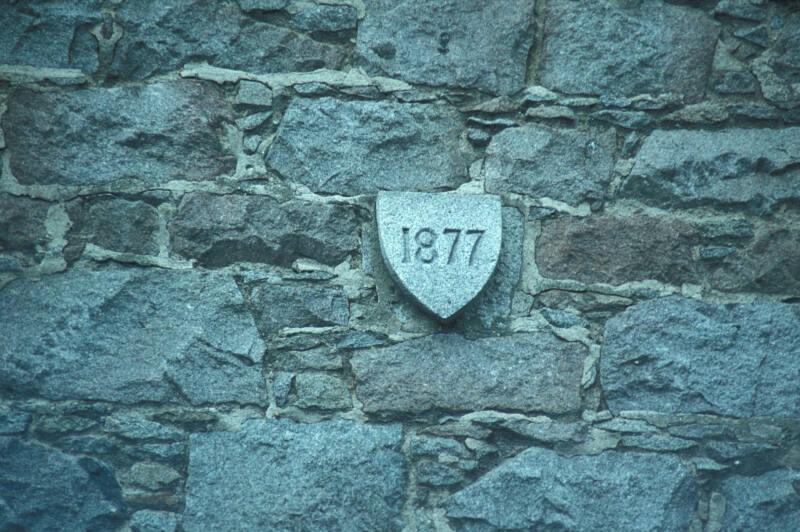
[440, 248]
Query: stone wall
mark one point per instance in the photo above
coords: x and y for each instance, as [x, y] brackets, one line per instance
[197, 331]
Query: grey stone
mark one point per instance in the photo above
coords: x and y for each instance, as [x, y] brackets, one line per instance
[160, 37]
[432, 473]
[319, 390]
[539, 489]
[253, 93]
[114, 224]
[22, 224]
[657, 442]
[218, 230]
[13, 421]
[493, 305]
[44, 489]
[253, 121]
[680, 355]
[778, 68]
[293, 305]
[136, 426]
[262, 5]
[618, 249]
[756, 168]
[626, 119]
[440, 248]
[153, 133]
[455, 43]
[325, 17]
[130, 336]
[566, 165]
[154, 521]
[741, 9]
[617, 48]
[151, 476]
[280, 475]
[282, 386]
[53, 34]
[733, 82]
[770, 501]
[531, 372]
[358, 147]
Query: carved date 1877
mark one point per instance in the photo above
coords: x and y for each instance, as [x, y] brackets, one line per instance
[426, 250]
[440, 248]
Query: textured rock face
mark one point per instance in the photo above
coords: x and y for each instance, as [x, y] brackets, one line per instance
[539, 489]
[152, 133]
[358, 147]
[285, 305]
[22, 224]
[612, 48]
[130, 336]
[534, 371]
[456, 43]
[54, 34]
[729, 256]
[218, 230]
[44, 489]
[680, 355]
[161, 37]
[334, 475]
[770, 501]
[566, 165]
[114, 224]
[745, 167]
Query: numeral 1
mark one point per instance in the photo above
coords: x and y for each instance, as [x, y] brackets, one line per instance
[406, 258]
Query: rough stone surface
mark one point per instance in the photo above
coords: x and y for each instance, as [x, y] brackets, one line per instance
[732, 256]
[621, 49]
[154, 521]
[161, 37]
[56, 34]
[745, 167]
[456, 43]
[539, 489]
[566, 165]
[153, 133]
[325, 17]
[22, 224]
[114, 224]
[44, 489]
[288, 305]
[333, 475]
[218, 230]
[318, 390]
[130, 336]
[441, 249]
[770, 501]
[532, 372]
[680, 355]
[359, 146]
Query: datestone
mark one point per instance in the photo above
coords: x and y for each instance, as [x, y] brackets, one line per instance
[440, 248]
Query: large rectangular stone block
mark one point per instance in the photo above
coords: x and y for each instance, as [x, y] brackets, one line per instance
[542, 490]
[160, 37]
[755, 168]
[218, 230]
[154, 133]
[480, 44]
[50, 34]
[568, 165]
[618, 48]
[281, 475]
[681, 355]
[360, 147]
[729, 255]
[130, 336]
[530, 372]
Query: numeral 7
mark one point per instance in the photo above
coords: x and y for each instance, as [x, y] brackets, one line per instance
[479, 233]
